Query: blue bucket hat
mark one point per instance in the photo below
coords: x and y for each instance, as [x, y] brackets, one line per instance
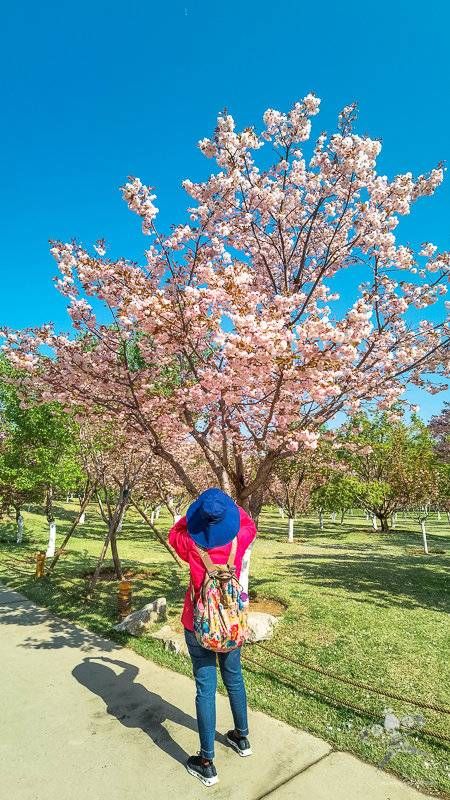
[213, 519]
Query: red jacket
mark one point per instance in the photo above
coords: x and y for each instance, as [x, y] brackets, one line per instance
[182, 543]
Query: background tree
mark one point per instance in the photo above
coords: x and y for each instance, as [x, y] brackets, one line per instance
[337, 494]
[440, 431]
[294, 482]
[393, 464]
[39, 450]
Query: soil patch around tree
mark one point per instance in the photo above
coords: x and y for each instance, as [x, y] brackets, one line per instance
[108, 574]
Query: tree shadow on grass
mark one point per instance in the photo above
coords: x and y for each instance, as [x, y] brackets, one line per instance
[133, 705]
[393, 580]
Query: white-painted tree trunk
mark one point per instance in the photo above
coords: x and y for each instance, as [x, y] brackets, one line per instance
[424, 536]
[82, 519]
[394, 520]
[374, 522]
[245, 569]
[152, 516]
[157, 512]
[19, 529]
[290, 529]
[281, 510]
[51, 540]
[438, 515]
[333, 516]
[321, 520]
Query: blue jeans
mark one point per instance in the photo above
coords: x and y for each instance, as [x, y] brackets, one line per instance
[205, 674]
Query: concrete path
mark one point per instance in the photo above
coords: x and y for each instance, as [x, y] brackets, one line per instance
[84, 719]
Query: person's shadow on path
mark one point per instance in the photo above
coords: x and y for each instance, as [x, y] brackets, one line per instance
[134, 705]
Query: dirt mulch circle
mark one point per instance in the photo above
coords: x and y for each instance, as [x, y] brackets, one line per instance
[128, 575]
[418, 551]
[267, 606]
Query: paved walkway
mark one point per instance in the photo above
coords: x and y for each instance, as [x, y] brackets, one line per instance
[84, 719]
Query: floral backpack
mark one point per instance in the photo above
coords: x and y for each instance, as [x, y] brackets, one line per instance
[220, 610]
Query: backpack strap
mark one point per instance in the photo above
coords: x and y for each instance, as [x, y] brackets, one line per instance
[209, 564]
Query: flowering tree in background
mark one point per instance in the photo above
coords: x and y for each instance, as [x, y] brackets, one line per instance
[294, 482]
[440, 431]
[233, 333]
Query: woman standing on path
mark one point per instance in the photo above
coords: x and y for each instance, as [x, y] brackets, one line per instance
[214, 527]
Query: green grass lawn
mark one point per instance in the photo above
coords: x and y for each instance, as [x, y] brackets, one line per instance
[368, 606]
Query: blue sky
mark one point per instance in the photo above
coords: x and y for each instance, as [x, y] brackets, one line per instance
[96, 91]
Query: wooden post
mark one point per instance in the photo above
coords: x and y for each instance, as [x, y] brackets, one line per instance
[124, 599]
[40, 564]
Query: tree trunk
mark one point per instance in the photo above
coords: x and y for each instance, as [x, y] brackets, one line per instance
[49, 504]
[115, 554]
[152, 517]
[51, 522]
[291, 529]
[424, 536]
[111, 537]
[321, 520]
[394, 520]
[281, 512]
[51, 540]
[100, 561]
[374, 522]
[82, 516]
[333, 516]
[438, 515]
[342, 517]
[19, 521]
[71, 529]
[384, 522]
[116, 527]
[256, 503]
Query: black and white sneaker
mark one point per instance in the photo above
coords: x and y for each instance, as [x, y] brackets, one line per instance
[206, 773]
[240, 743]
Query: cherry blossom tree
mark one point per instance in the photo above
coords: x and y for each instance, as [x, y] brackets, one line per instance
[284, 299]
[440, 431]
[295, 481]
